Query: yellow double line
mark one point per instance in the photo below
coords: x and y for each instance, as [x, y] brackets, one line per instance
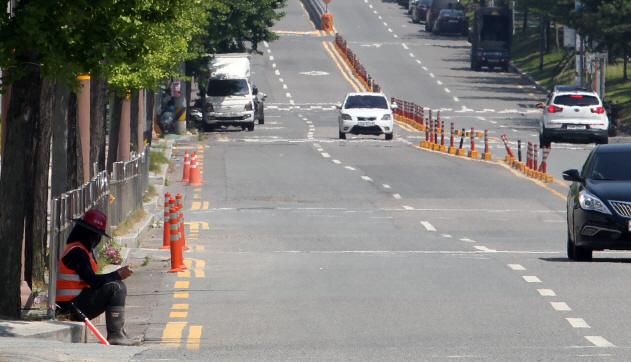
[343, 66]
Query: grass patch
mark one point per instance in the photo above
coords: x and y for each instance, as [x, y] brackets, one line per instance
[126, 225]
[151, 193]
[157, 159]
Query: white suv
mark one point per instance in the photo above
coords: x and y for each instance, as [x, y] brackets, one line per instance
[366, 113]
[573, 116]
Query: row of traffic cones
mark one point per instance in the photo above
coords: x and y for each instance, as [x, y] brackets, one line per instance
[530, 168]
[173, 237]
[191, 173]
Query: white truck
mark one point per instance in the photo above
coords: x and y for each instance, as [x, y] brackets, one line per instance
[230, 99]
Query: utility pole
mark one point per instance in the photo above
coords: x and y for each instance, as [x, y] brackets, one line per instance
[83, 117]
[578, 79]
[179, 95]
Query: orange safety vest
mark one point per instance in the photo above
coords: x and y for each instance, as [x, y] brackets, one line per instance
[69, 284]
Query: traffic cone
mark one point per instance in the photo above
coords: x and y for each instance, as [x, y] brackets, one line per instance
[187, 167]
[166, 237]
[176, 251]
[196, 177]
[178, 200]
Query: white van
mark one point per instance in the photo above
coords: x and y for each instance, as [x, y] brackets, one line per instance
[229, 98]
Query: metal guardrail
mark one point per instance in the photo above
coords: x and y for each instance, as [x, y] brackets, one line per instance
[128, 184]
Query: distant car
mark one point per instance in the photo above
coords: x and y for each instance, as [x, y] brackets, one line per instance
[451, 21]
[573, 116]
[366, 113]
[419, 11]
[599, 202]
[434, 8]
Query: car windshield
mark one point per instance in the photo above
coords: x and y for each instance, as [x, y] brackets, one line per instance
[576, 100]
[227, 87]
[424, 3]
[614, 166]
[366, 102]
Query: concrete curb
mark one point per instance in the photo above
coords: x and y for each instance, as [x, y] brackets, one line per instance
[68, 332]
[314, 12]
[131, 239]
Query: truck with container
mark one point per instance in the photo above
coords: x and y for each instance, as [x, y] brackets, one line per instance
[229, 94]
[491, 38]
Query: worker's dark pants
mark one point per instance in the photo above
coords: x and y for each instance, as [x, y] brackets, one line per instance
[93, 302]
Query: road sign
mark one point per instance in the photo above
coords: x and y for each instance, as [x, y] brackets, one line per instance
[326, 1]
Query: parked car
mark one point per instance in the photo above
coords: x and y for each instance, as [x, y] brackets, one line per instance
[434, 8]
[419, 11]
[366, 113]
[573, 116]
[451, 21]
[599, 202]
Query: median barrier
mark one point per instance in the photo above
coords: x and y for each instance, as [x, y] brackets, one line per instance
[486, 155]
[472, 152]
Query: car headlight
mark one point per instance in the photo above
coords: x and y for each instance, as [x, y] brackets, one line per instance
[346, 117]
[591, 202]
[386, 117]
[248, 106]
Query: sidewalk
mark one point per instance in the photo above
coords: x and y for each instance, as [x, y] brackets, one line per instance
[57, 341]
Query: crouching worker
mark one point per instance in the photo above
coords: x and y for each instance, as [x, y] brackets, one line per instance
[92, 293]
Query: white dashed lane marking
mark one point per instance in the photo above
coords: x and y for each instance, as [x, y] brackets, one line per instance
[546, 292]
[405, 46]
[456, 99]
[516, 267]
[531, 279]
[578, 323]
[447, 90]
[349, 168]
[396, 196]
[408, 207]
[599, 341]
[277, 72]
[385, 186]
[325, 155]
[561, 306]
[366, 178]
[337, 161]
[428, 226]
[467, 240]
[485, 249]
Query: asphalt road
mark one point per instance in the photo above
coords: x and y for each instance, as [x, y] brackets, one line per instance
[307, 247]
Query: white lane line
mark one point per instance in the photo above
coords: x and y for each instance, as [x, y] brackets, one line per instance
[288, 95]
[269, 51]
[370, 6]
[281, 80]
[456, 99]
[349, 168]
[337, 161]
[374, 11]
[274, 65]
[561, 306]
[467, 240]
[432, 75]
[578, 322]
[411, 55]
[380, 18]
[485, 249]
[546, 292]
[386, 24]
[395, 35]
[277, 72]
[516, 267]
[418, 61]
[424, 68]
[494, 122]
[439, 82]
[291, 101]
[266, 45]
[397, 196]
[390, 30]
[599, 341]
[325, 155]
[405, 46]
[447, 90]
[386, 186]
[366, 178]
[428, 226]
[320, 149]
[284, 86]
[271, 57]
[408, 207]
[531, 279]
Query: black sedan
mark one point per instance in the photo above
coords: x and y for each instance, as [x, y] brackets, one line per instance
[599, 202]
[419, 11]
[451, 21]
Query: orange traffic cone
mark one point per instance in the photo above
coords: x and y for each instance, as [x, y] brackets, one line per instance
[196, 177]
[176, 251]
[178, 200]
[166, 237]
[187, 167]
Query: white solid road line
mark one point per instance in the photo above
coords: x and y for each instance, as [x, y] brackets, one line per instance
[366, 178]
[516, 267]
[325, 155]
[428, 226]
[578, 322]
[385, 186]
[561, 306]
[485, 249]
[531, 279]
[396, 196]
[408, 207]
[349, 168]
[599, 341]
[467, 240]
[546, 292]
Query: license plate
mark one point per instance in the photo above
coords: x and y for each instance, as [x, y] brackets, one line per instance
[453, 21]
[494, 60]
[365, 124]
[569, 126]
[227, 114]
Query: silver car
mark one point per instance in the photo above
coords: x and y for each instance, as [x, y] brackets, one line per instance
[366, 113]
[573, 116]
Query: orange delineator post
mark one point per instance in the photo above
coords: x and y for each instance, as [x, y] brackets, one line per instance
[451, 149]
[187, 167]
[178, 200]
[460, 150]
[442, 137]
[473, 152]
[166, 237]
[486, 155]
[176, 251]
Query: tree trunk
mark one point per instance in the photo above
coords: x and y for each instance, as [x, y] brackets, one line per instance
[115, 120]
[556, 36]
[35, 230]
[624, 66]
[59, 178]
[525, 25]
[74, 163]
[98, 102]
[150, 97]
[22, 122]
[133, 123]
[548, 37]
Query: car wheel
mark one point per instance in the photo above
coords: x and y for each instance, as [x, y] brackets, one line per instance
[250, 126]
[570, 245]
[342, 136]
[582, 253]
[505, 68]
[477, 67]
[544, 141]
[389, 136]
[602, 140]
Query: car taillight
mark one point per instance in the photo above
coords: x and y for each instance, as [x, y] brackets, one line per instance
[423, 8]
[480, 58]
[576, 96]
[506, 60]
[598, 110]
[443, 19]
[554, 109]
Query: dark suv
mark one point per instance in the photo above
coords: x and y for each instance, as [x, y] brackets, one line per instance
[435, 6]
[419, 11]
[599, 202]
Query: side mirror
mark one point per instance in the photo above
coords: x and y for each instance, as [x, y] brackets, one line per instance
[572, 175]
[338, 106]
[394, 106]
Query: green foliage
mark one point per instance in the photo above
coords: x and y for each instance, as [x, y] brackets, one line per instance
[156, 159]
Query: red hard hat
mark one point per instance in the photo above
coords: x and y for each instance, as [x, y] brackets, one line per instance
[93, 220]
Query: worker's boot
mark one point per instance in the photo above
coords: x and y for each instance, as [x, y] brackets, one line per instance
[115, 321]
